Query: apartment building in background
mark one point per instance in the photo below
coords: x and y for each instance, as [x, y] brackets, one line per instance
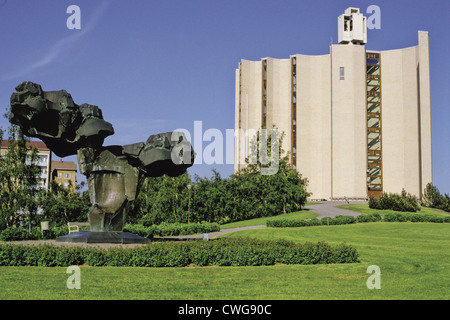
[60, 171]
[44, 160]
[64, 173]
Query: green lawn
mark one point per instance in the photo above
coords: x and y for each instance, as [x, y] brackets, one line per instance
[413, 257]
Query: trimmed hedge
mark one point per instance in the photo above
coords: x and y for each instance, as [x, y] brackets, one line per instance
[21, 233]
[172, 229]
[222, 252]
[372, 217]
[164, 229]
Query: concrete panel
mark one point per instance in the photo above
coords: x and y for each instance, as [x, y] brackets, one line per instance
[400, 121]
[314, 123]
[349, 137]
[279, 98]
[425, 109]
[250, 101]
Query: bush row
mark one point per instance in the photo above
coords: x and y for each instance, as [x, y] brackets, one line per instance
[398, 202]
[222, 252]
[164, 229]
[372, 217]
[21, 233]
[172, 229]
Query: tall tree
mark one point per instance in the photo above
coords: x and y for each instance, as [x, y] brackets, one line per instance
[19, 178]
[164, 199]
[276, 187]
[64, 204]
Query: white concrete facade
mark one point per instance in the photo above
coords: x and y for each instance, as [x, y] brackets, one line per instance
[325, 97]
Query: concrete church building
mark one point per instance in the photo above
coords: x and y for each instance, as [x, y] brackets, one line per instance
[357, 122]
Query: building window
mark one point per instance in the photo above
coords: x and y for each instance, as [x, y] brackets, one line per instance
[341, 73]
[66, 175]
[59, 175]
[374, 125]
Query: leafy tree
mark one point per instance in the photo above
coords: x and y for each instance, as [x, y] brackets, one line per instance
[283, 189]
[64, 204]
[434, 199]
[267, 186]
[163, 199]
[19, 178]
[210, 198]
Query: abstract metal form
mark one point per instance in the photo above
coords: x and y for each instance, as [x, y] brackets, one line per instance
[114, 173]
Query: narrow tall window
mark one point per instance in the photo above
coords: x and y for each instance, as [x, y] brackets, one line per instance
[341, 73]
[294, 113]
[374, 126]
[264, 95]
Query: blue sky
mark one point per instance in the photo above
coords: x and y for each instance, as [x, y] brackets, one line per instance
[155, 66]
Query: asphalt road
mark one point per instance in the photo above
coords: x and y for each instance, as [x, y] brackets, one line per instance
[328, 209]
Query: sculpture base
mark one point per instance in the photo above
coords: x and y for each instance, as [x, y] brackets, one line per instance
[103, 237]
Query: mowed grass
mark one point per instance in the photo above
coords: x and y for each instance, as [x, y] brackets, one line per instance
[413, 257]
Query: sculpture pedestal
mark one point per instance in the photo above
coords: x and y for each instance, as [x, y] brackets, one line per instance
[103, 237]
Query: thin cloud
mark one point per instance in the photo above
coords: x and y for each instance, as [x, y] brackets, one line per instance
[56, 50]
[136, 130]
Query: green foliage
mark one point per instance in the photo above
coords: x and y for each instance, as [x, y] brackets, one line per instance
[20, 233]
[372, 217]
[14, 234]
[285, 223]
[163, 229]
[247, 194]
[392, 201]
[432, 198]
[162, 199]
[411, 217]
[20, 195]
[222, 252]
[172, 229]
[19, 177]
[61, 205]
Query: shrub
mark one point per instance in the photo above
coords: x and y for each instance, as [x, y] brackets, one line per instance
[372, 217]
[391, 201]
[14, 234]
[172, 229]
[434, 199]
[288, 223]
[222, 252]
[164, 229]
[341, 219]
[21, 233]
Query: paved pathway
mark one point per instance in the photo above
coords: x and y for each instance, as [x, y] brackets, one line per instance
[328, 209]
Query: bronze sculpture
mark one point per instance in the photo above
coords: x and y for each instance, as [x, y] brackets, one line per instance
[114, 173]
